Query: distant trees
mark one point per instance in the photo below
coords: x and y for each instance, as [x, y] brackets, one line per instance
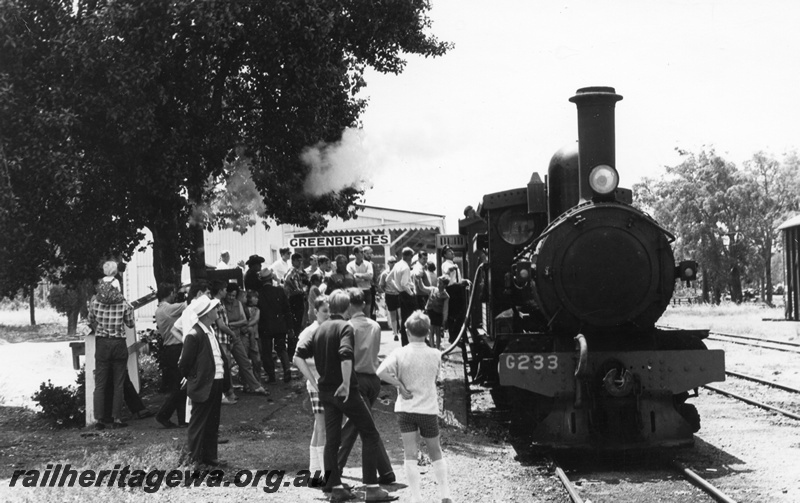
[120, 115]
[725, 217]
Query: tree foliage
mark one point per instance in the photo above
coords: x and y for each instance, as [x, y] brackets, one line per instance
[120, 115]
[725, 217]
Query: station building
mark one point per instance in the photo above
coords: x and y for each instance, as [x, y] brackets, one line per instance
[790, 230]
[386, 230]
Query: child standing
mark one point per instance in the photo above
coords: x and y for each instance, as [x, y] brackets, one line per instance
[110, 270]
[436, 308]
[250, 334]
[316, 449]
[413, 370]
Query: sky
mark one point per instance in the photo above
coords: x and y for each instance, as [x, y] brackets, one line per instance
[494, 109]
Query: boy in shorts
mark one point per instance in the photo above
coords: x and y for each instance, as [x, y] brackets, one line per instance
[413, 370]
[316, 449]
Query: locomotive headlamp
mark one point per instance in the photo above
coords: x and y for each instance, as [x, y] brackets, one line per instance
[686, 271]
[603, 179]
[522, 273]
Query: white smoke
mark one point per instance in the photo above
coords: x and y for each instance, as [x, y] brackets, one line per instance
[335, 166]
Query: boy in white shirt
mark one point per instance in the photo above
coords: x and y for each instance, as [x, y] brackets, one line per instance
[413, 369]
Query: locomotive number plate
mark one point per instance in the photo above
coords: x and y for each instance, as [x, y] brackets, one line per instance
[531, 362]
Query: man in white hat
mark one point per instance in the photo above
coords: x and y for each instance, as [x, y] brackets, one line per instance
[203, 365]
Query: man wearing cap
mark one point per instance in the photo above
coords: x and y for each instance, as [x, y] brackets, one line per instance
[274, 324]
[400, 279]
[203, 365]
[251, 281]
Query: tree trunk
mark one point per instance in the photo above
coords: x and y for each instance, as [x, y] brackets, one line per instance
[72, 321]
[736, 284]
[166, 251]
[705, 293]
[197, 262]
[32, 304]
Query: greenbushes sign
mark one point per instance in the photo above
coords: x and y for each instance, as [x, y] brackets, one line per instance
[331, 241]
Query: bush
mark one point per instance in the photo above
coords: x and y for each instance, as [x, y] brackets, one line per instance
[149, 375]
[64, 407]
[71, 301]
[67, 300]
[154, 342]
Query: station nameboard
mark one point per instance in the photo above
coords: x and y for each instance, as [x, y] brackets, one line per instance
[456, 241]
[331, 241]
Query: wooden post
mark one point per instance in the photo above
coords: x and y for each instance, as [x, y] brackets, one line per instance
[89, 366]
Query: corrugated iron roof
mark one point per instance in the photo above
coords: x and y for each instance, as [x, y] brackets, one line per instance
[792, 222]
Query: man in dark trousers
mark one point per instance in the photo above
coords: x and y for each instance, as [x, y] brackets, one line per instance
[167, 313]
[296, 285]
[332, 349]
[274, 325]
[366, 346]
[203, 365]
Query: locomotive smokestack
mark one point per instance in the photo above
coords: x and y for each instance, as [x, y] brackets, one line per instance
[597, 162]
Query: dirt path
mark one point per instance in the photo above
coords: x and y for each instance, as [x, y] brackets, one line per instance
[263, 434]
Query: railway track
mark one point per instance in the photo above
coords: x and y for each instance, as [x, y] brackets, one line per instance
[748, 340]
[787, 396]
[651, 475]
[785, 402]
[604, 484]
[789, 347]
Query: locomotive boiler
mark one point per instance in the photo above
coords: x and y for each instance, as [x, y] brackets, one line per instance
[570, 279]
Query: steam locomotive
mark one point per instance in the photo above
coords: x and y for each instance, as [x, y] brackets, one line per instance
[570, 279]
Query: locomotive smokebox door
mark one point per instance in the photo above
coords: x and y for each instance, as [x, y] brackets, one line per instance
[609, 266]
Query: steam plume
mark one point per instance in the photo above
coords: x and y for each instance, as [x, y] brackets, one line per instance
[335, 166]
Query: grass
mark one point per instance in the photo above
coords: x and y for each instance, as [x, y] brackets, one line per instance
[744, 319]
[15, 326]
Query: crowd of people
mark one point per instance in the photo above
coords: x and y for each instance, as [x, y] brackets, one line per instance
[321, 318]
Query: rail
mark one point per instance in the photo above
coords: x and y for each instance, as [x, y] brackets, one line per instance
[690, 475]
[752, 402]
[762, 381]
[703, 484]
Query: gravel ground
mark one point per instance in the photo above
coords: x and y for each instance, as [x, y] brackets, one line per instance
[748, 453]
[268, 434]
